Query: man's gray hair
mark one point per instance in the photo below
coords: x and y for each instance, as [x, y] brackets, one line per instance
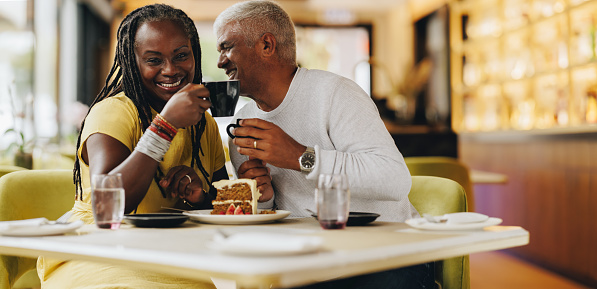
[252, 19]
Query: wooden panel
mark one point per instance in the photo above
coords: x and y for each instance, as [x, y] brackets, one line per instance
[551, 191]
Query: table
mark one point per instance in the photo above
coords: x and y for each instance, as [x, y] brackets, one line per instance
[483, 177]
[183, 251]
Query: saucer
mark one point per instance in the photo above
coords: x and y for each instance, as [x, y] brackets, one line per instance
[156, 220]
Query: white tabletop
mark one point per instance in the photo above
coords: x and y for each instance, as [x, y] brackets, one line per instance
[484, 177]
[183, 252]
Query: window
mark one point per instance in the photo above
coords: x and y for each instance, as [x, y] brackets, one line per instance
[16, 71]
[341, 50]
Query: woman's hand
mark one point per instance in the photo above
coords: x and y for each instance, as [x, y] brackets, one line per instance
[256, 169]
[187, 106]
[183, 182]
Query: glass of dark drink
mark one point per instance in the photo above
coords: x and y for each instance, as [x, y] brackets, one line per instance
[107, 200]
[333, 201]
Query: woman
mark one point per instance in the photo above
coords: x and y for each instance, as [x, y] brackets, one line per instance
[157, 63]
[168, 158]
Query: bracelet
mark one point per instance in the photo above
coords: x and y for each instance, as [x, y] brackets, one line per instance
[189, 203]
[153, 145]
[161, 133]
[163, 128]
[160, 117]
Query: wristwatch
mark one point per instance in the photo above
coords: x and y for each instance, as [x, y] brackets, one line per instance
[307, 160]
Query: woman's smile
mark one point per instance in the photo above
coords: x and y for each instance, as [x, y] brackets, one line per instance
[165, 66]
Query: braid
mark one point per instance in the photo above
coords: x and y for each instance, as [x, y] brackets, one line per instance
[196, 134]
[125, 76]
[102, 95]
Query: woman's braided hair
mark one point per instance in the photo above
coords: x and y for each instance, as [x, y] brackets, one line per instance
[125, 76]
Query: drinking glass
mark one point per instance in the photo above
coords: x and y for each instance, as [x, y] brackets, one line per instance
[107, 200]
[333, 201]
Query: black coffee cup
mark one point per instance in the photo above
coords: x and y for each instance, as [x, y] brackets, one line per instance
[223, 96]
[233, 126]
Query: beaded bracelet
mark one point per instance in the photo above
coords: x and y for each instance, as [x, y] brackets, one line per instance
[161, 125]
[164, 126]
[161, 132]
[167, 123]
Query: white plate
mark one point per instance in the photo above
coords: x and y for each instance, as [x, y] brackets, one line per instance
[40, 230]
[421, 223]
[204, 216]
[265, 244]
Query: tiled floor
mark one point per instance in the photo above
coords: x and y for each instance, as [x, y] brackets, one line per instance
[496, 270]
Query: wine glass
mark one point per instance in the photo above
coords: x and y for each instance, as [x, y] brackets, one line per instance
[333, 201]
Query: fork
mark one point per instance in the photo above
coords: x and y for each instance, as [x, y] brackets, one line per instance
[175, 209]
[432, 219]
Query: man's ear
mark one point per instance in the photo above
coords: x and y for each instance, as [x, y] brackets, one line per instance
[268, 44]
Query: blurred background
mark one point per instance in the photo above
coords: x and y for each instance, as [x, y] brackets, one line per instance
[56, 54]
[505, 86]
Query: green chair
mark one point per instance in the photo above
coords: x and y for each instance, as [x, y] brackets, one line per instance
[438, 196]
[27, 194]
[5, 169]
[445, 167]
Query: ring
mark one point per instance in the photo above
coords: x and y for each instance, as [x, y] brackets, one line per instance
[255, 144]
[189, 177]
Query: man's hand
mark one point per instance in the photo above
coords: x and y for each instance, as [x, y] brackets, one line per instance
[263, 140]
[256, 169]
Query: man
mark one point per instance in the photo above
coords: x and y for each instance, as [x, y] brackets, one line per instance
[306, 122]
[300, 116]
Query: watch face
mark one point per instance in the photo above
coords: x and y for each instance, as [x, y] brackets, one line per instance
[308, 160]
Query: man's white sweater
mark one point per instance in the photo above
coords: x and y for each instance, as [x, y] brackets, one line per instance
[336, 117]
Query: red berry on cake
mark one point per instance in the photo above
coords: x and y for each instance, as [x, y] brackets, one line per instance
[230, 210]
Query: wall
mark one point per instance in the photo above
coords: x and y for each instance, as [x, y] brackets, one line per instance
[392, 28]
[551, 192]
[393, 46]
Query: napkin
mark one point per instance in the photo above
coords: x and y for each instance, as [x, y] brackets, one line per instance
[266, 242]
[37, 227]
[465, 218]
[455, 222]
[8, 225]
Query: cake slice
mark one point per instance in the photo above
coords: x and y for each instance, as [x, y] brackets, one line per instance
[236, 197]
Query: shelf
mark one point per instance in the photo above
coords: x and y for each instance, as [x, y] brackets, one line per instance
[537, 78]
[584, 131]
[395, 128]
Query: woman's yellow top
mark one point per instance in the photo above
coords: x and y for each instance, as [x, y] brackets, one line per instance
[117, 117]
